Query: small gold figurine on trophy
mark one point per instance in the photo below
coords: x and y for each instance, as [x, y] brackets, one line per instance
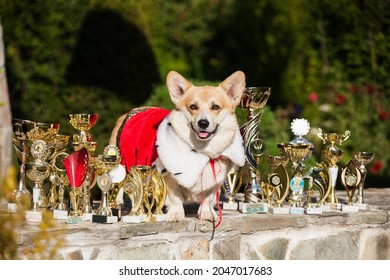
[333, 154]
[362, 158]
[350, 179]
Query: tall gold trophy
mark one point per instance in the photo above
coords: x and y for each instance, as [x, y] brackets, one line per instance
[333, 154]
[253, 101]
[83, 123]
[362, 159]
[20, 140]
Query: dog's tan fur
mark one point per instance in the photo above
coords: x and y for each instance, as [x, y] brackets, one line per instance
[204, 118]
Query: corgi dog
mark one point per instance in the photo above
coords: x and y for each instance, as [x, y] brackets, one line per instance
[194, 146]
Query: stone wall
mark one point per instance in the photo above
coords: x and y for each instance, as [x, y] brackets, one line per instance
[333, 235]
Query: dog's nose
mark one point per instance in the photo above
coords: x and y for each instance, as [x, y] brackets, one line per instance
[203, 123]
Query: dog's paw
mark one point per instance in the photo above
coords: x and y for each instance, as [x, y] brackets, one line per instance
[208, 215]
[175, 215]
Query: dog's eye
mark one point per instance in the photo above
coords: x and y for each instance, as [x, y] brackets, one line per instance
[215, 107]
[193, 107]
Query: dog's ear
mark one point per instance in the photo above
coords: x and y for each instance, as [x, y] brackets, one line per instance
[177, 86]
[234, 86]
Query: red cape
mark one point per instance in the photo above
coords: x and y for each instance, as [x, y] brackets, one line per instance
[138, 137]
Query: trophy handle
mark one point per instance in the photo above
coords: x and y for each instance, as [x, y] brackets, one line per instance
[320, 135]
[345, 136]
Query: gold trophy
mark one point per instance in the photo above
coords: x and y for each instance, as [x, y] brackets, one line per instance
[362, 158]
[297, 150]
[253, 101]
[278, 180]
[231, 187]
[133, 187]
[147, 191]
[58, 143]
[19, 140]
[103, 166]
[37, 171]
[77, 167]
[350, 179]
[83, 123]
[24, 132]
[333, 154]
[319, 180]
[59, 180]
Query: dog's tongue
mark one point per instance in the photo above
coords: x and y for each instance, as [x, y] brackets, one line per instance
[203, 134]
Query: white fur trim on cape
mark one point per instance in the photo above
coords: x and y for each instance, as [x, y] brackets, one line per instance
[183, 162]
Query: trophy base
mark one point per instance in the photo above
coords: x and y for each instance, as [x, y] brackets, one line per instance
[60, 214]
[247, 208]
[297, 210]
[334, 206]
[325, 208]
[350, 208]
[279, 210]
[87, 217]
[33, 216]
[313, 210]
[230, 206]
[133, 219]
[74, 219]
[12, 207]
[362, 206]
[102, 219]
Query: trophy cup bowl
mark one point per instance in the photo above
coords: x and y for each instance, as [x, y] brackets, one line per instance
[296, 152]
[25, 130]
[83, 123]
[274, 161]
[255, 98]
[363, 158]
[59, 142]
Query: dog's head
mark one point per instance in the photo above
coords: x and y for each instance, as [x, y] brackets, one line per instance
[206, 107]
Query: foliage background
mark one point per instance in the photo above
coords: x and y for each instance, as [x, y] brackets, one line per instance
[327, 61]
